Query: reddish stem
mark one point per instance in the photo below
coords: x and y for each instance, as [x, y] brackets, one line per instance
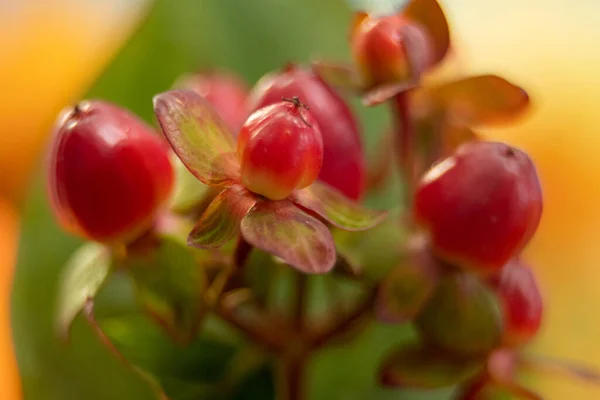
[405, 143]
[291, 382]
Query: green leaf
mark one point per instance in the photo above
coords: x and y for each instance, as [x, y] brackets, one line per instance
[373, 253]
[221, 220]
[416, 365]
[482, 100]
[170, 285]
[406, 289]
[463, 316]
[282, 229]
[198, 135]
[429, 15]
[189, 191]
[84, 274]
[336, 208]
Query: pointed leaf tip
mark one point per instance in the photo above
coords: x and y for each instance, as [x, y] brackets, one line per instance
[85, 272]
[483, 100]
[220, 222]
[198, 136]
[417, 366]
[282, 229]
[334, 207]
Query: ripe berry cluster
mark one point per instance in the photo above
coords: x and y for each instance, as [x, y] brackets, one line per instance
[278, 172]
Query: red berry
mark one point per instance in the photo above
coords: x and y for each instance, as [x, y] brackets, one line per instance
[388, 49]
[481, 206]
[280, 149]
[521, 302]
[107, 173]
[343, 159]
[226, 92]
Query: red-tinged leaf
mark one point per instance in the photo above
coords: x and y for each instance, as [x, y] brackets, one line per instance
[482, 100]
[463, 316]
[199, 136]
[336, 208]
[406, 289]
[188, 192]
[84, 274]
[429, 15]
[220, 222]
[383, 93]
[282, 229]
[416, 365]
[560, 367]
[340, 76]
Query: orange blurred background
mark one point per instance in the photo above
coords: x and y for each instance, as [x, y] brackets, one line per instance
[547, 46]
[51, 52]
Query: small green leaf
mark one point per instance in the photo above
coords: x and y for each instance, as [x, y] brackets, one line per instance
[84, 274]
[482, 100]
[404, 292]
[189, 191]
[416, 365]
[340, 76]
[429, 15]
[282, 229]
[373, 253]
[221, 220]
[463, 316]
[199, 136]
[336, 208]
[170, 285]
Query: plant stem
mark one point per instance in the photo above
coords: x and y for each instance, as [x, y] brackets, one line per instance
[242, 253]
[300, 303]
[405, 143]
[292, 378]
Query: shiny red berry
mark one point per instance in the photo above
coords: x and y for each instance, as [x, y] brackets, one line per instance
[280, 149]
[521, 303]
[343, 160]
[481, 205]
[108, 172]
[388, 49]
[226, 92]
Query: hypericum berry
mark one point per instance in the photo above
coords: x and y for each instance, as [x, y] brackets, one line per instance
[481, 206]
[521, 303]
[226, 92]
[280, 149]
[108, 173]
[387, 50]
[343, 160]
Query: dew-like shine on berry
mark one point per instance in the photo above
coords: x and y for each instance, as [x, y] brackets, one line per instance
[108, 173]
[343, 160]
[280, 149]
[480, 206]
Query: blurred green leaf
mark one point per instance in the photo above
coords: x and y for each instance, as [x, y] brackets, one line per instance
[463, 316]
[417, 365]
[188, 191]
[406, 289]
[170, 286]
[84, 274]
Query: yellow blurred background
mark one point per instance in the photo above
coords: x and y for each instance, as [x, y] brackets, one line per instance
[547, 46]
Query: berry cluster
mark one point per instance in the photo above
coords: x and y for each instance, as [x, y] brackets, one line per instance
[235, 180]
